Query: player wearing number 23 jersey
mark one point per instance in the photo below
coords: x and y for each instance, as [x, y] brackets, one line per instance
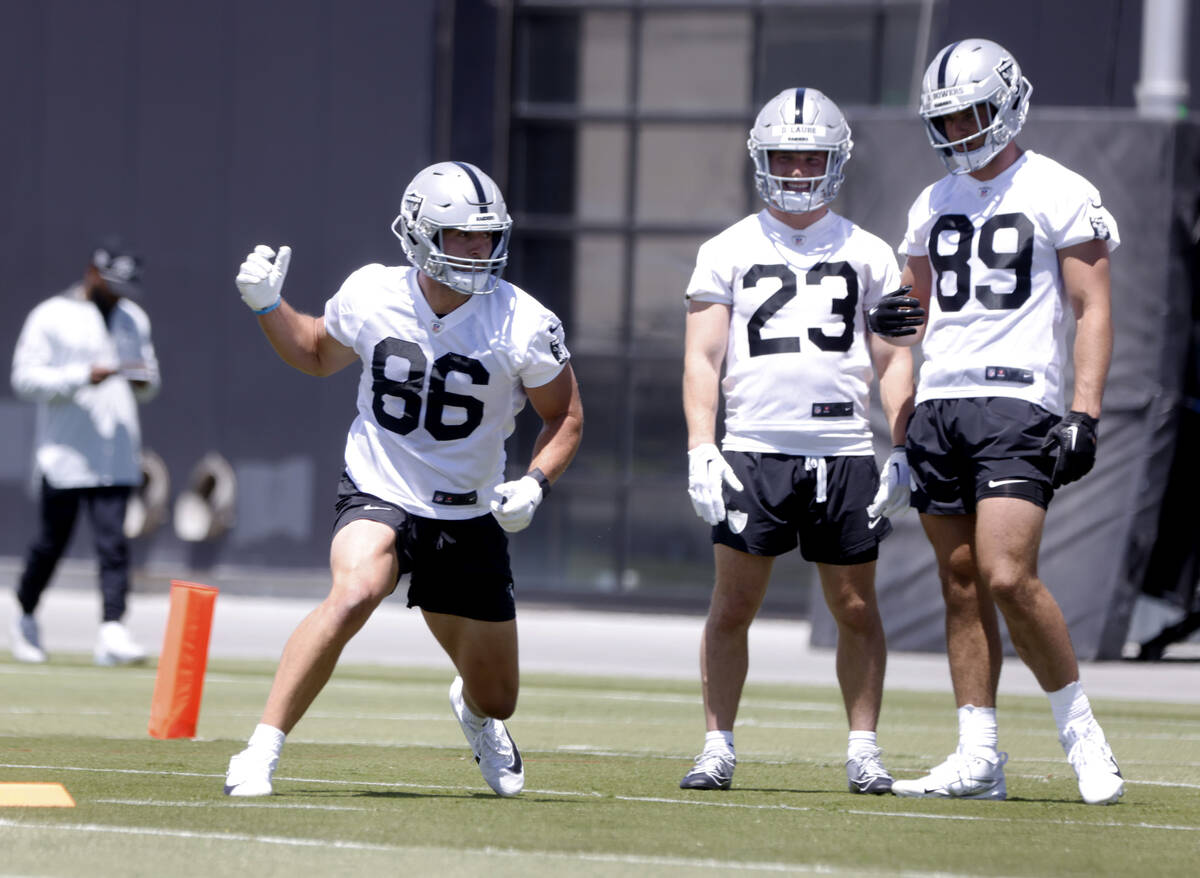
[779, 302]
[797, 368]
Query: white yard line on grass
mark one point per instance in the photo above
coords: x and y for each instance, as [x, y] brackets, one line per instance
[580, 693]
[648, 799]
[485, 852]
[282, 805]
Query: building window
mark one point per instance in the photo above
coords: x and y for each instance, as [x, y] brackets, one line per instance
[627, 149]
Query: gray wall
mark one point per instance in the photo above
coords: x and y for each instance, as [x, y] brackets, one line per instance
[198, 130]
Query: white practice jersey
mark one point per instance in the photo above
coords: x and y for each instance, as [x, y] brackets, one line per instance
[438, 395]
[797, 368]
[998, 313]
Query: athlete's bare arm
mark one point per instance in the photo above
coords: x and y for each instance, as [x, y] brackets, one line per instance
[705, 339]
[302, 342]
[559, 406]
[894, 366]
[1085, 273]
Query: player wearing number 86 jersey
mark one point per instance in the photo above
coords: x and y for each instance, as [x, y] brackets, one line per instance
[449, 354]
[438, 394]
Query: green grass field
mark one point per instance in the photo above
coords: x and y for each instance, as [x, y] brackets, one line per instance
[377, 780]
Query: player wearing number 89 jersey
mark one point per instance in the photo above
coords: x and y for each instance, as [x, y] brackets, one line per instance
[1004, 253]
[779, 301]
[449, 354]
[998, 315]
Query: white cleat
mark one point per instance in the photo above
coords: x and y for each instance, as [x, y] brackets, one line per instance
[499, 760]
[1100, 780]
[250, 773]
[961, 776]
[865, 773]
[27, 640]
[115, 646]
[713, 770]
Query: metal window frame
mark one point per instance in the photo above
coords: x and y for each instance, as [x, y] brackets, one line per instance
[512, 112]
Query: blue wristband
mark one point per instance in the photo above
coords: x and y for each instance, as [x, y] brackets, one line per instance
[540, 477]
[269, 308]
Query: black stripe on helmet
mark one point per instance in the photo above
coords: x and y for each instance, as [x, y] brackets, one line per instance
[945, 61]
[799, 114]
[481, 198]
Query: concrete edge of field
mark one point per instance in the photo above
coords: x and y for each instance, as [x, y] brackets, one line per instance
[572, 641]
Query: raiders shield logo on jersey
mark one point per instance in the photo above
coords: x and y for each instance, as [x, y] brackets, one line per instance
[556, 347]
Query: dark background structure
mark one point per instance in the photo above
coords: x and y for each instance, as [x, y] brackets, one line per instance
[617, 130]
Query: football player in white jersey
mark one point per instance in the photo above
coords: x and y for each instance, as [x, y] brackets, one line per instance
[1004, 253]
[780, 300]
[449, 354]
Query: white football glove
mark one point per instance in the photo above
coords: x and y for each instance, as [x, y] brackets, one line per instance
[516, 502]
[707, 474]
[260, 281]
[894, 486]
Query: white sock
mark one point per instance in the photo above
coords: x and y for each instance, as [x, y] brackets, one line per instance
[977, 729]
[476, 722]
[861, 742]
[1069, 705]
[718, 741]
[267, 737]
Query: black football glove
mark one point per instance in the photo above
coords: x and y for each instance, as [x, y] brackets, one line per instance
[897, 314]
[1072, 442]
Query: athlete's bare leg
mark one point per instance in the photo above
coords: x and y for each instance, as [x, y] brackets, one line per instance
[972, 628]
[862, 645]
[362, 559]
[741, 584]
[1008, 535]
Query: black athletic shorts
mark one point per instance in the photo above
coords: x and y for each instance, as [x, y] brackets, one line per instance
[962, 450]
[780, 508]
[458, 566]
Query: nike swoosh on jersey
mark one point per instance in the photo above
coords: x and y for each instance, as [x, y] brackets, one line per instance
[996, 483]
[379, 508]
[874, 521]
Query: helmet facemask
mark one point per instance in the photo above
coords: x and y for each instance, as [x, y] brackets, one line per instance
[798, 194]
[799, 120]
[454, 195]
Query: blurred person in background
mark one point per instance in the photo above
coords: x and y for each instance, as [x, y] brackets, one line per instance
[1007, 253]
[86, 358]
[779, 301]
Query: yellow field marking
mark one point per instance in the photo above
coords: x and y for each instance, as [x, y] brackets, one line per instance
[35, 795]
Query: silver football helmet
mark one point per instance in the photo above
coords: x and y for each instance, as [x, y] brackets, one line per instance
[454, 195]
[979, 75]
[799, 120]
